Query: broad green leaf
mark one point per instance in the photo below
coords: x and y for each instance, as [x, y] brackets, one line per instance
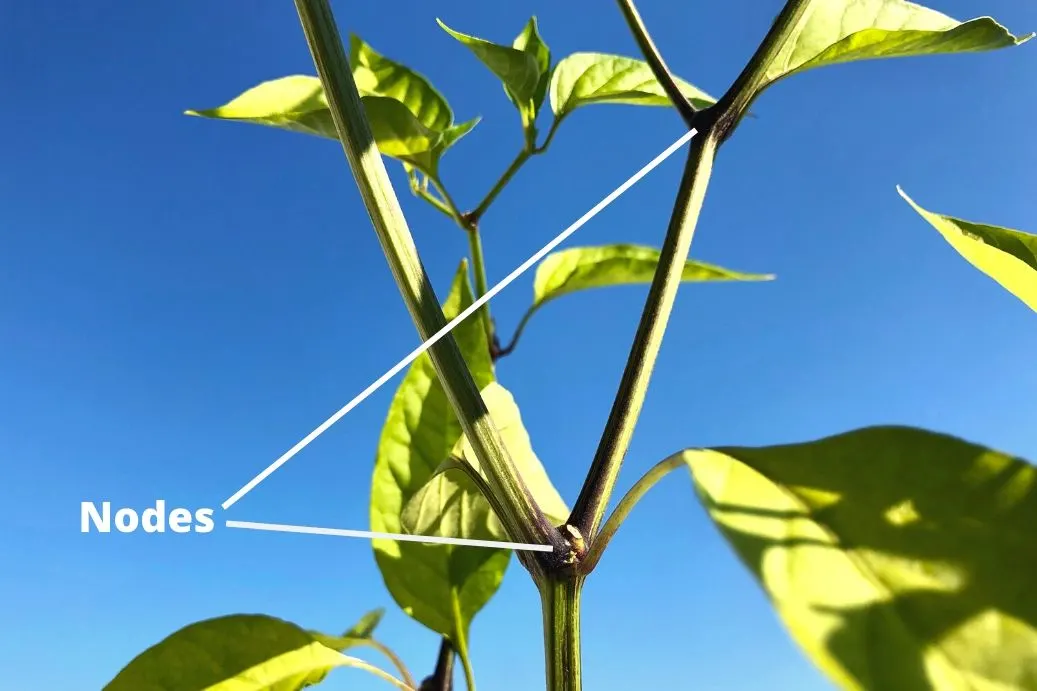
[240, 652]
[1008, 256]
[505, 414]
[835, 31]
[396, 131]
[896, 557]
[295, 103]
[419, 433]
[582, 268]
[376, 75]
[530, 41]
[518, 70]
[585, 78]
[411, 121]
[452, 505]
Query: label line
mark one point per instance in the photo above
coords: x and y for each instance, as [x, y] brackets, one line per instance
[429, 539]
[377, 383]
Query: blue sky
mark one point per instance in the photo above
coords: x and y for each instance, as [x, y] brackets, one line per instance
[182, 300]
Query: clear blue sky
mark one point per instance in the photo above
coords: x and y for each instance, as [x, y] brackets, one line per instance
[182, 300]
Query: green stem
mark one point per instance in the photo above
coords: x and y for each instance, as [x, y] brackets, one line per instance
[733, 105]
[560, 604]
[393, 658]
[523, 520]
[498, 187]
[655, 61]
[479, 271]
[615, 440]
[506, 350]
[461, 643]
[622, 510]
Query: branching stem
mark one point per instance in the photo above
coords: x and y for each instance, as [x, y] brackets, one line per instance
[524, 520]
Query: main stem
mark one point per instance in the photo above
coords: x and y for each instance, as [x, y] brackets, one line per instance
[615, 440]
[560, 604]
[523, 519]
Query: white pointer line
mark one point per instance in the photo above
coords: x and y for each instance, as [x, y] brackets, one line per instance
[458, 319]
[280, 528]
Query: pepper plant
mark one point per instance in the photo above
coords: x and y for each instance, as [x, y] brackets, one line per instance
[896, 557]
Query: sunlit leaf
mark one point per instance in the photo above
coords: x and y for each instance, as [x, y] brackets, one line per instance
[411, 121]
[835, 31]
[581, 268]
[1008, 256]
[506, 417]
[241, 652]
[585, 78]
[897, 558]
[517, 69]
[377, 75]
[296, 103]
[530, 41]
[420, 431]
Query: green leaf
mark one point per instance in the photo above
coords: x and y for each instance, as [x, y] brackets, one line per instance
[295, 103]
[240, 652]
[585, 78]
[426, 581]
[367, 624]
[581, 268]
[835, 31]
[411, 120]
[896, 557]
[452, 497]
[517, 69]
[506, 417]
[530, 41]
[1008, 256]
[376, 75]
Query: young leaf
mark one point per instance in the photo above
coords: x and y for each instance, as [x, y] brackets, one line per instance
[897, 558]
[586, 78]
[295, 103]
[367, 624]
[518, 70]
[1008, 256]
[411, 121]
[835, 31]
[376, 75]
[529, 41]
[582, 268]
[419, 432]
[240, 652]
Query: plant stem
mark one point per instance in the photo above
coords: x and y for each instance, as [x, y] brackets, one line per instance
[479, 271]
[477, 213]
[394, 659]
[626, 504]
[615, 440]
[523, 520]
[443, 678]
[655, 61]
[733, 105]
[560, 603]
